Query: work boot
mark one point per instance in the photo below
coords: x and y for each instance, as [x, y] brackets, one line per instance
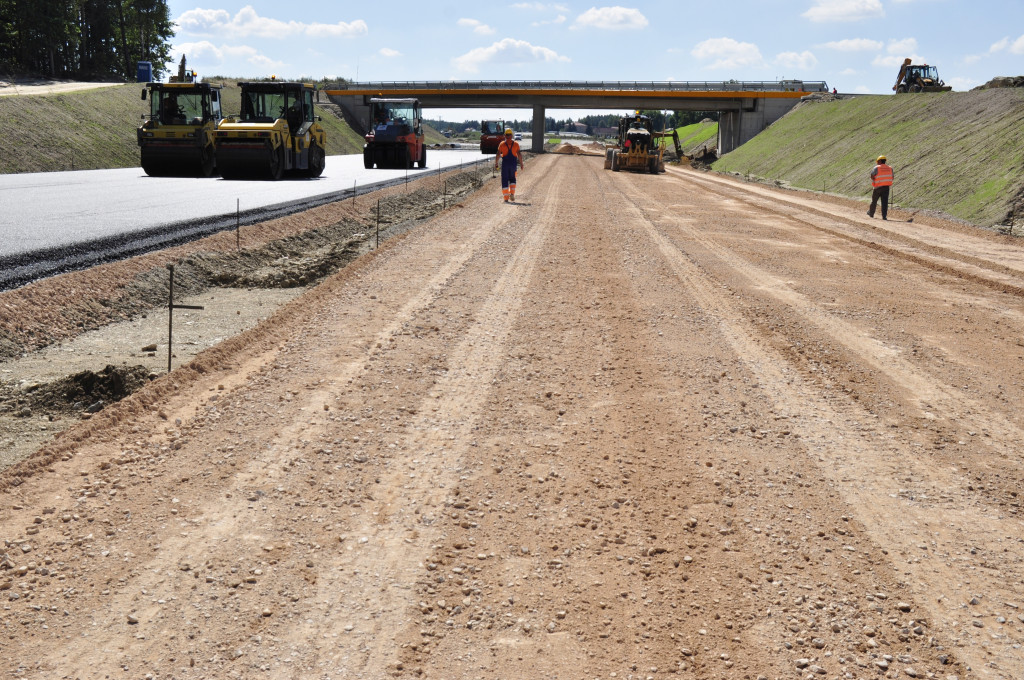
[512, 198]
[871, 214]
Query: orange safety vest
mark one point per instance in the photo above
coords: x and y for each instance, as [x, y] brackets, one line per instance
[883, 176]
[504, 149]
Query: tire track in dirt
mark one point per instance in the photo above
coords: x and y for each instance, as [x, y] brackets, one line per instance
[280, 464]
[834, 433]
[977, 259]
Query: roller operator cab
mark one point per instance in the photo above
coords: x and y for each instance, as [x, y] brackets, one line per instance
[276, 131]
[177, 135]
[395, 137]
[492, 133]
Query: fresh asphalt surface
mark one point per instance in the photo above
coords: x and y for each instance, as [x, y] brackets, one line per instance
[58, 221]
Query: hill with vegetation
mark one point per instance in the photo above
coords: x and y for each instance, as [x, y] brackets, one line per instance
[92, 129]
[961, 153]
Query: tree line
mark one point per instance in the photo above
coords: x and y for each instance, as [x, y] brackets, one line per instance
[660, 120]
[84, 39]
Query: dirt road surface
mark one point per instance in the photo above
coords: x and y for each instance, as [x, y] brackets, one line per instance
[632, 426]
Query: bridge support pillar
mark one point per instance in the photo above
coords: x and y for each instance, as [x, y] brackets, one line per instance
[537, 146]
[739, 126]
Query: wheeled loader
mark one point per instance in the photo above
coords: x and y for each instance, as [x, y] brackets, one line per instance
[919, 78]
[276, 131]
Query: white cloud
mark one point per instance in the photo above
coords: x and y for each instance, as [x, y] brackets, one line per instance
[539, 7]
[999, 46]
[388, 52]
[962, 84]
[477, 26]
[902, 46]
[611, 18]
[1018, 46]
[854, 45]
[893, 61]
[205, 57]
[507, 52]
[246, 23]
[727, 53]
[844, 10]
[796, 60]
[972, 59]
[560, 19]
[848, 72]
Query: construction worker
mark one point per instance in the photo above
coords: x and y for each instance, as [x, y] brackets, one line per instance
[881, 180]
[508, 155]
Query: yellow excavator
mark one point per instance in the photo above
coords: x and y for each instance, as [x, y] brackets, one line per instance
[919, 78]
[176, 136]
[276, 131]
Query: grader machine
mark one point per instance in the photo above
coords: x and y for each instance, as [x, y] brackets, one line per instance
[276, 131]
[177, 136]
[638, 148]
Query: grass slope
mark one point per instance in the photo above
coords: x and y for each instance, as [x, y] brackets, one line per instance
[92, 129]
[692, 137]
[958, 152]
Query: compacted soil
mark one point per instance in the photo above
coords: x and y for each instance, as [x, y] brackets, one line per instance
[631, 426]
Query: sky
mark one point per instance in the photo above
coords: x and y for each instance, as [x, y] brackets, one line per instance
[856, 46]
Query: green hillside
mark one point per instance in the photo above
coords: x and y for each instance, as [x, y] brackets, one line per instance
[693, 137]
[959, 152]
[91, 129]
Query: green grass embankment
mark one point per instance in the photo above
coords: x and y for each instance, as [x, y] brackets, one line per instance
[693, 137]
[93, 129]
[961, 153]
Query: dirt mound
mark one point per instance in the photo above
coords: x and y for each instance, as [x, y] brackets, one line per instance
[1002, 81]
[591, 149]
[87, 391]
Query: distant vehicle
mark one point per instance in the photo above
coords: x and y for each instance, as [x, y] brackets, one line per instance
[919, 78]
[519, 136]
[491, 134]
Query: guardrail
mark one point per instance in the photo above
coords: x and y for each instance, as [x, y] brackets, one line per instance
[604, 85]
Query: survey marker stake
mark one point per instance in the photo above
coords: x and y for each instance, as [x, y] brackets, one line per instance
[170, 315]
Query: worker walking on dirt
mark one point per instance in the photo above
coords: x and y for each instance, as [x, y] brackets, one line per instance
[881, 180]
[508, 156]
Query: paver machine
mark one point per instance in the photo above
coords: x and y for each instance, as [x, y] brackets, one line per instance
[919, 78]
[638, 149]
[395, 137]
[276, 131]
[177, 135]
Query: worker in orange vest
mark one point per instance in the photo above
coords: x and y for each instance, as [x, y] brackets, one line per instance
[881, 180]
[508, 156]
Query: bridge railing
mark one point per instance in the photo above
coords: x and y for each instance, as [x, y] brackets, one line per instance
[606, 85]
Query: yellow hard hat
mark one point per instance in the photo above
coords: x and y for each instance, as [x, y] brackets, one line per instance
[508, 131]
[880, 159]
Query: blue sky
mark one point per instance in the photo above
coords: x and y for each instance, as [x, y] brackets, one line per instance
[853, 45]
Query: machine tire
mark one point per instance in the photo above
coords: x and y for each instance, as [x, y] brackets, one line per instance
[317, 160]
[615, 160]
[207, 161]
[916, 88]
[608, 159]
[423, 156]
[368, 158]
[902, 89]
[275, 164]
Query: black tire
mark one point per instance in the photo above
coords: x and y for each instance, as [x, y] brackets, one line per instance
[275, 163]
[615, 161]
[207, 161]
[608, 159]
[916, 88]
[406, 157]
[368, 158]
[423, 156]
[902, 89]
[317, 160]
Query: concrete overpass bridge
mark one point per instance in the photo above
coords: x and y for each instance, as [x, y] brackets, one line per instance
[746, 107]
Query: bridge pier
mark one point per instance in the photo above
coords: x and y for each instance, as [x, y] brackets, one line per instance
[738, 126]
[537, 145]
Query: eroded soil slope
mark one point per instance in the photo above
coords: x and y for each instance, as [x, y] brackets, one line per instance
[632, 426]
